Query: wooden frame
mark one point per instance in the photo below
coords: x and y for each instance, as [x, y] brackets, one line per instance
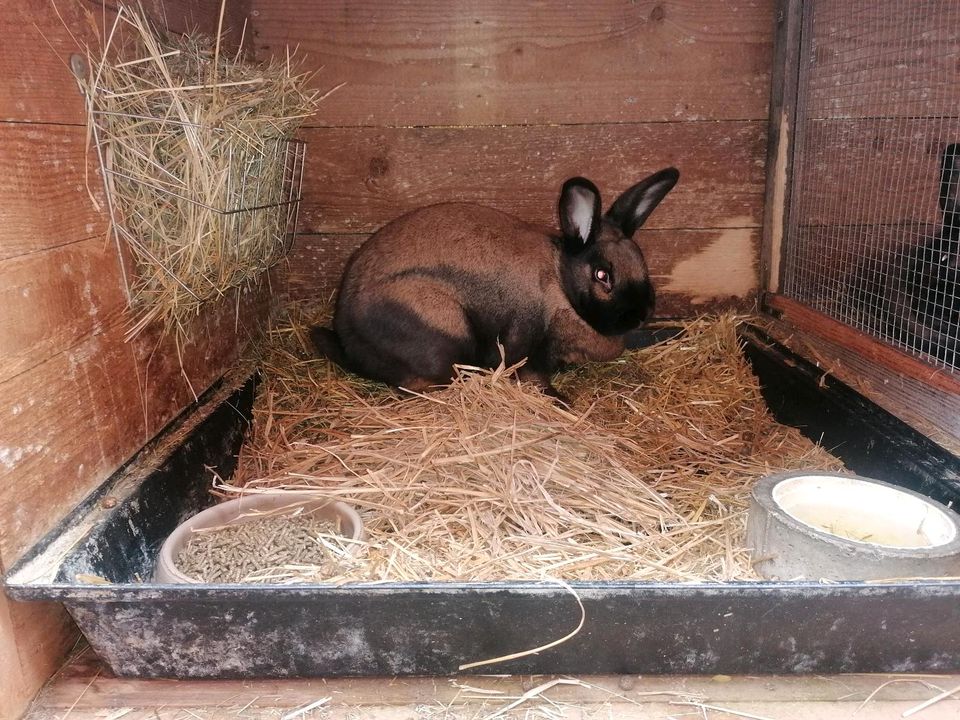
[804, 318]
[784, 84]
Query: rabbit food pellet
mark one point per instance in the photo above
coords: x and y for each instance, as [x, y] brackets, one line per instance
[254, 551]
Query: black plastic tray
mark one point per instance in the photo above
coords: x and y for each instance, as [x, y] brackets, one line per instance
[217, 631]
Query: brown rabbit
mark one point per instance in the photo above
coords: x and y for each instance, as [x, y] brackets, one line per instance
[443, 285]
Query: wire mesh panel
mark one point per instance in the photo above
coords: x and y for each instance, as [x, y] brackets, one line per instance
[873, 236]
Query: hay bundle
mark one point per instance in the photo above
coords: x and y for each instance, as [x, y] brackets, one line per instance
[647, 478]
[202, 176]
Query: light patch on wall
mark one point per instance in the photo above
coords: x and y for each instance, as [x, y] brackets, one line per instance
[11, 456]
[727, 267]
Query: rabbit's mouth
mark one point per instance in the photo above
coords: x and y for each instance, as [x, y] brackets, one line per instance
[628, 308]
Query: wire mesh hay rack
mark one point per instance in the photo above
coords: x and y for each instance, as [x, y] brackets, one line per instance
[203, 176]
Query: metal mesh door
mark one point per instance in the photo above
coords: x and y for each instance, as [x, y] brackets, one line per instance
[873, 235]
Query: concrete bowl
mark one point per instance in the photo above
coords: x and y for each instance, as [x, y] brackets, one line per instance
[816, 525]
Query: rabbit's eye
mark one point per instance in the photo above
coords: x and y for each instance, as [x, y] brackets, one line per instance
[603, 277]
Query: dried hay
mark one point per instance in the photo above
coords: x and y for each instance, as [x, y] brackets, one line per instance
[201, 173]
[646, 477]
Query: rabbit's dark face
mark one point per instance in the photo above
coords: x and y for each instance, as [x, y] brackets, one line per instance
[608, 283]
[603, 271]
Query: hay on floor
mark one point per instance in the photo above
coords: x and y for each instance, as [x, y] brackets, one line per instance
[646, 477]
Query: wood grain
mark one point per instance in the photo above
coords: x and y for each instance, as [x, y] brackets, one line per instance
[44, 180]
[781, 131]
[49, 31]
[54, 299]
[543, 707]
[867, 347]
[72, 420]
[212, 344]
[87, 688]
[430, 62]
[33, 638]
[866, 60]
[694, 271]
[933, 412]
[359, 179]
[12, 682]
[75, 399]
[68, 423]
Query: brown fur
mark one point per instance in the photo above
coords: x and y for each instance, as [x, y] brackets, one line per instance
[447, 283]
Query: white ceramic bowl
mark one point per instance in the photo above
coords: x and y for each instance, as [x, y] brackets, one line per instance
[247, 509]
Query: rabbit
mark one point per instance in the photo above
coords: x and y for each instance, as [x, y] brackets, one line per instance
[926, 302]
[448, 284]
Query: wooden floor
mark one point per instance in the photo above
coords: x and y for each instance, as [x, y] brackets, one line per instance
[85, 690]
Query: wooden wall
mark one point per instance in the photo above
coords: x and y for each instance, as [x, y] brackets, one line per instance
[75, 400]
[499, 102]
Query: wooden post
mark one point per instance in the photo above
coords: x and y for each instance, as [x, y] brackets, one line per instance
[783, 105]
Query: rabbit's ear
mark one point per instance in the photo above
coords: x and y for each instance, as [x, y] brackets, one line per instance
[579, 213]
[950, 183]
[635, 205]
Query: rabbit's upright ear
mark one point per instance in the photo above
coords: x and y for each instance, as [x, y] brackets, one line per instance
[579, 213]
[635, 205]
[950, 184]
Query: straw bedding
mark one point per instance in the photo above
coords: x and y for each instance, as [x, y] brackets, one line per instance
[647, 476]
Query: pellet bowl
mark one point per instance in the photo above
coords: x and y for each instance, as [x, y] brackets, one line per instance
[249, 508]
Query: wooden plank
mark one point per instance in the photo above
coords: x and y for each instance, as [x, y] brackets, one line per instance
[54, 299]
[49, 31]
[879, 171]
[12, 682]
[694, 271]
[44, 177]
[869, 348]
[86, 685]
[362, 178]
[168, 376]
[72, 420]
[697, 271]
[33, 638]
[867, 61]
[316, 264]
[69, 421]
[67, 424]
[780, 134]
[932, 412]
[499, 62]
[534, 708]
